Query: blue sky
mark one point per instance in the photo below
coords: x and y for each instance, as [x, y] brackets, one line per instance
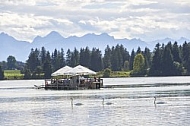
[145, 19]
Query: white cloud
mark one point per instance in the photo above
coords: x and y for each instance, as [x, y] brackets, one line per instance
[145, 19]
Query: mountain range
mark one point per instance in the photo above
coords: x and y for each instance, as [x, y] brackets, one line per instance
[21, 49]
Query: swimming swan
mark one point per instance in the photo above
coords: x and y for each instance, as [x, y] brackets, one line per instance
[158, 102]
[107, 103]
[77, 104]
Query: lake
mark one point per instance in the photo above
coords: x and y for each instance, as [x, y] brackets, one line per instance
[132, 103]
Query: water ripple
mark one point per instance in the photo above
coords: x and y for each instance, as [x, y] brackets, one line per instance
[132, 106]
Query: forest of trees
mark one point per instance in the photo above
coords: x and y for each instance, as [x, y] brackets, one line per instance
[164, 60]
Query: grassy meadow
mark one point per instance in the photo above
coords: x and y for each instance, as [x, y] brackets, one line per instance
[13, 74]
[16, 74]
[115, 74]
[120, 74]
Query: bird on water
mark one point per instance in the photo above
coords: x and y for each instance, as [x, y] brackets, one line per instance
[107, 103]
[158, 102]
[77, 104]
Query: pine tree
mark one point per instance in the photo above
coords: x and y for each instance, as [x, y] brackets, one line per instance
[82, 57]
[96, 60]
[167, 62]
[176, 53]
[47, 66]
[4, 65]
[155, 68]
[85, 57]
[75, 58]
[33, 60]
[55, 60]
[68, 57]
[47, 69]
[114, 59]
[131, 59]
[88, 57]
[138, 50]
[186, 56]
[62, 58]
[107, 58]
[125, 55]
[147, 56]
[42, 56]
[1, 73]
[27, 73]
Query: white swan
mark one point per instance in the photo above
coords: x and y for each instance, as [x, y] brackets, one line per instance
[77, 104]
[158, 102]
[107, 103]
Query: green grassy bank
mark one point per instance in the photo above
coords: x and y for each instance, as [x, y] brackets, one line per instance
[13, 74]
[16, 74]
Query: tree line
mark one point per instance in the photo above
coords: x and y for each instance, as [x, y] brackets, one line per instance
[164, 60]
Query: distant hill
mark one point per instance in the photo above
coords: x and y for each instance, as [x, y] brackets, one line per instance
[11, 46]
[21, 49]
[55, 40]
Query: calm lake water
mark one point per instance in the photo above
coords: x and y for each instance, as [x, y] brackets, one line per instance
[132, 103]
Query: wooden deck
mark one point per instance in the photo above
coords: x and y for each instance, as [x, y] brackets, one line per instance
[73, 84]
